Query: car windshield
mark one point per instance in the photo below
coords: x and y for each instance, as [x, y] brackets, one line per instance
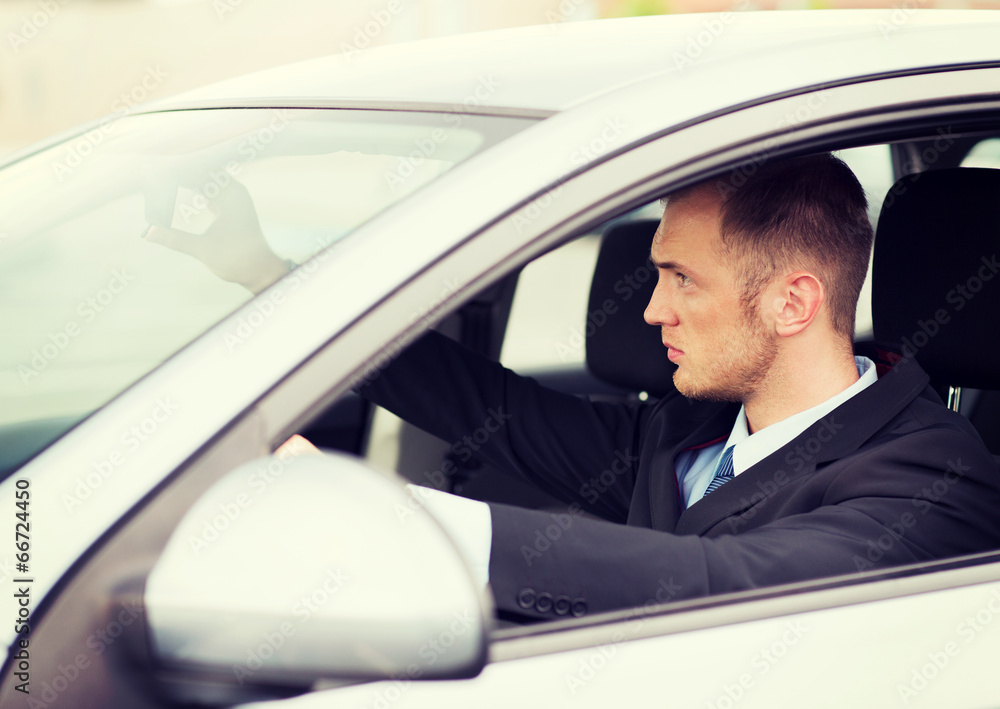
[91, 303]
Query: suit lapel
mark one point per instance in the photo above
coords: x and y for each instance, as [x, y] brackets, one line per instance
[833, 437]
[665, 503]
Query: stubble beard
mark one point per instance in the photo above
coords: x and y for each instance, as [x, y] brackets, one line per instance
[741, 364]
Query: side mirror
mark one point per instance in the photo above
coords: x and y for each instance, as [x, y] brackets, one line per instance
[289, 571]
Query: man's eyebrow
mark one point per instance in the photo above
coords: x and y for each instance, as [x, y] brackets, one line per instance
[672, 265]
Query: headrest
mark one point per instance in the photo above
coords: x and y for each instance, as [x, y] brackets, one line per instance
[621, 348]
[935, 284]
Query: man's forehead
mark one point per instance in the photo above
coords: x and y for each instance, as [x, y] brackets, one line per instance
[706, 195]
[670, 250]
[663, 240]
[694, 217]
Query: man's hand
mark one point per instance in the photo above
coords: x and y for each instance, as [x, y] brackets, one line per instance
[233, 247]
[297, 445]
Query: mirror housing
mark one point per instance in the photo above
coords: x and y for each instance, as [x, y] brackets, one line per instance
[290, 570]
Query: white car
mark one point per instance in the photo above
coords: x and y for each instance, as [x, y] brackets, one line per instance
[158, 553]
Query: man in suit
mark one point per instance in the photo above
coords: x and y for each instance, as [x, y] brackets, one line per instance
[781, 457]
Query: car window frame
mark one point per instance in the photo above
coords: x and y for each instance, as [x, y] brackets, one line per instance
[857, 127]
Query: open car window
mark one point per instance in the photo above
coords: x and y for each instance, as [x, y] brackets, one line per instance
[549, 313]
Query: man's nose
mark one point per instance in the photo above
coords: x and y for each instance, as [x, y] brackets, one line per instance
[660, 310]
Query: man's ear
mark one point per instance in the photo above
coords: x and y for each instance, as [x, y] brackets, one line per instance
[796, 301]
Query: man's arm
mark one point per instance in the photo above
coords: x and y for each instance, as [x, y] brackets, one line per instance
[555, 440]
[905, 502]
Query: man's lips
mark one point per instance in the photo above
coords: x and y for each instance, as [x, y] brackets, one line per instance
[673, 354]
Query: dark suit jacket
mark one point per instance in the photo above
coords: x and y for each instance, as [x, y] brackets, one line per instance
[889, 477]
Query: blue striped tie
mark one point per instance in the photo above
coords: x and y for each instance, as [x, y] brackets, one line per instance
[724, 471]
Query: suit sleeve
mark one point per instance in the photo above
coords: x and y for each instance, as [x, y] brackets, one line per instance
[908, 502]
[557, 441]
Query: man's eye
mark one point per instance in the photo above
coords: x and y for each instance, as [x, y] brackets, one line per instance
[683, 280]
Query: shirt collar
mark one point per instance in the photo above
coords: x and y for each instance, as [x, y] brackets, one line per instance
[753, 448]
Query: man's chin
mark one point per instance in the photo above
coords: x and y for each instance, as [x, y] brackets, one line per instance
[692, 389]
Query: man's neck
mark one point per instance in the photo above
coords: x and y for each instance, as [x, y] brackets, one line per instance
[799, 383]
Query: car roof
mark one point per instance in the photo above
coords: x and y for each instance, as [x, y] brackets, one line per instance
[550, 68]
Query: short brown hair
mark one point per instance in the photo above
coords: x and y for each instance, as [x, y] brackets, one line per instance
[808, 212]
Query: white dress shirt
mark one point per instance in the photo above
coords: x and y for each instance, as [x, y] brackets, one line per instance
[696, 468]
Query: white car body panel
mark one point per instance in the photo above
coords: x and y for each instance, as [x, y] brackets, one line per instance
[557, 67]
[799, 659]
